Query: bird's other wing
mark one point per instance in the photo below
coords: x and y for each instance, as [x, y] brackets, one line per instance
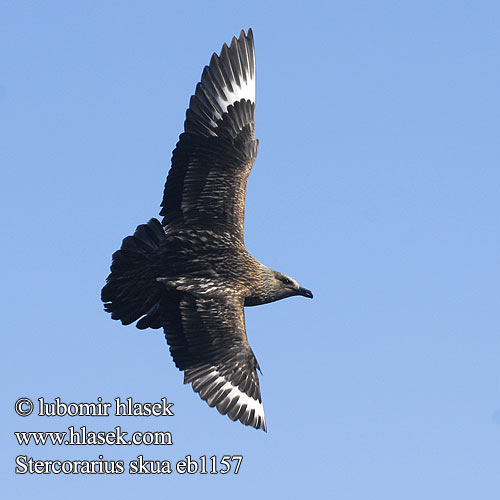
[211, 162]
[208, 342]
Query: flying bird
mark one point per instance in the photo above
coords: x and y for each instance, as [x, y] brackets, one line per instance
[191, 274]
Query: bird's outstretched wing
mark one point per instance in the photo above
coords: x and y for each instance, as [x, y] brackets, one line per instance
[208, 342]
[211, 162]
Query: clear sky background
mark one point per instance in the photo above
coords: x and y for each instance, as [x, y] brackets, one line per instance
[377, 186]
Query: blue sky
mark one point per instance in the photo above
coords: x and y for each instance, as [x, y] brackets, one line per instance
[376, 186]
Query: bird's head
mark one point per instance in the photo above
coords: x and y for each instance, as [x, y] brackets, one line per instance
[284, 286]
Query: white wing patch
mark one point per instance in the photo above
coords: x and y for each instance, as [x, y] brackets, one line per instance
[228, 79]
[245, 91]
[243, 399]
[236, 404]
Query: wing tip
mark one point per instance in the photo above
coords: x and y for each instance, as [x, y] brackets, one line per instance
[227, 79]
[229, 400]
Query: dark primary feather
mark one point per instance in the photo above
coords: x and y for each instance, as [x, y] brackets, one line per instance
[225, 75]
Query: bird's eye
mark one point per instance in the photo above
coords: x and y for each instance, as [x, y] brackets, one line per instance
[286, 281]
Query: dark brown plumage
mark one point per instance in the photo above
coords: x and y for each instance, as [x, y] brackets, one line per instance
[191, 275]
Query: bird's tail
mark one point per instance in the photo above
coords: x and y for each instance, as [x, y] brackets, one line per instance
[131, 291]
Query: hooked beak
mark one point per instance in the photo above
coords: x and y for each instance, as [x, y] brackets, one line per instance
[305, 292]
